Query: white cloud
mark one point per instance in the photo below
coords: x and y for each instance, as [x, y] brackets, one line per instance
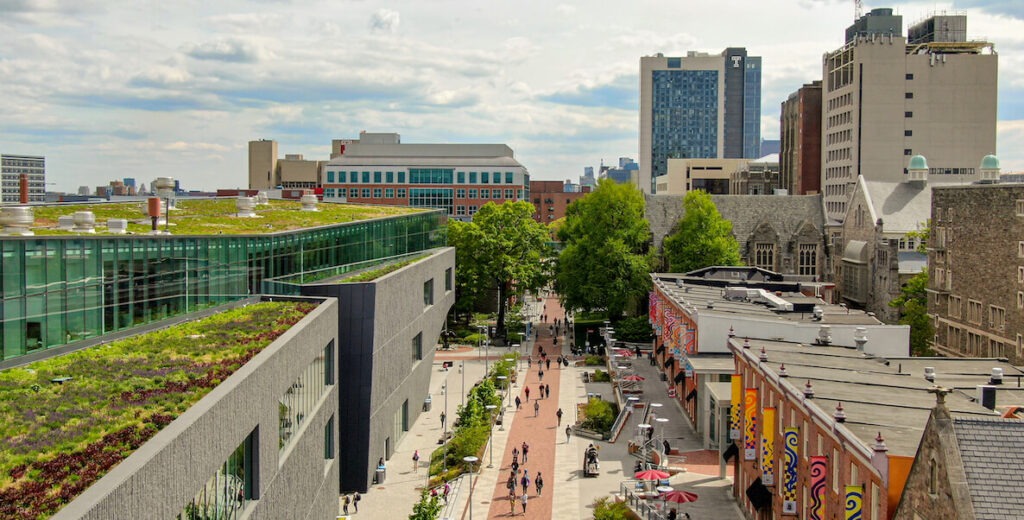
[565, 9]
[384, 20]
[232, 49]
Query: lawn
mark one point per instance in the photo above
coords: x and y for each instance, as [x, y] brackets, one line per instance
[61, 437]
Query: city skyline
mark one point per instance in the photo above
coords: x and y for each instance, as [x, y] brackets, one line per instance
[148, 90]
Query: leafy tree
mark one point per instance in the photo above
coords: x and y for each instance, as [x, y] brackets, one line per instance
[702, 238]
[913, 304]
[605, 263]
[500, 249]
[634, 330]
[428, 508]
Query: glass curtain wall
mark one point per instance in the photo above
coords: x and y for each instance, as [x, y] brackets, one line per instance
[58, 290]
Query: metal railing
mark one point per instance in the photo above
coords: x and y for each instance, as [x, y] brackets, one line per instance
[645, 508]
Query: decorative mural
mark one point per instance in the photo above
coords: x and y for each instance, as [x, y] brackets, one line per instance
[768, 447]
[791, 445]
[750, 424]
[819, 470]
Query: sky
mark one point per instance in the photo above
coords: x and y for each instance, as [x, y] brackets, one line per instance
[108, 89]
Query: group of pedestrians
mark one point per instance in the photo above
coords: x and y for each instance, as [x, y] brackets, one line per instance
[523, 480]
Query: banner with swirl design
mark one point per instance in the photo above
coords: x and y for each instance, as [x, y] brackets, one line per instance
[854, 502]
[819, 470]
[750, 424]
[768, 446]
[791, 441]
[734, 409]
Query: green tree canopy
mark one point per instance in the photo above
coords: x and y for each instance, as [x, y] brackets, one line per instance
[702, 238]
[605, 264]
[500, 249]
[913, 303]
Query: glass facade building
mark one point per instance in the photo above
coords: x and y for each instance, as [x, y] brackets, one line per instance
[61, 289]
[685, 116]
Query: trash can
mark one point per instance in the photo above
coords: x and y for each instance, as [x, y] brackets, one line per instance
[427, 404]
[378, 477]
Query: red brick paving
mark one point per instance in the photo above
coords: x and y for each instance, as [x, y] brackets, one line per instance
[540, 433]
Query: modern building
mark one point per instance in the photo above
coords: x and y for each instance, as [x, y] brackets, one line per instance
[800, 128]
[698, 106]
[770, 146]
[885, 99]
[263, 171]
[758, 177]
[71, 289]
[976, 270]
[458, 178]
[12, 167]
[626, 172]
[826, 430]
[588, 179]
[710, 175]
[297, 172]
[550, 200]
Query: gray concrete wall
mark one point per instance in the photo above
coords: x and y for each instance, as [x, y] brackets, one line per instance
[167, 471]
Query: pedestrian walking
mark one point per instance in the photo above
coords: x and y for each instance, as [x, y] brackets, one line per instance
[529, 362]
[568, 431]
[443, 417]
[547, 364]
[512, 503]
[547, 391]
[559, 415]
[515, 471]
[539, 482]
[519, 402]
[344, 504]
[526, 449]
[515, 454]
[415, 460]
[357, 498]
[511, 483]
[541, 373]
[525, 481]
[536, 412]
[527, 391]
[447, 489]
[523, 500]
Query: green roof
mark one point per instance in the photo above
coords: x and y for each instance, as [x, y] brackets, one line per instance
[216, 216]
[66, 421]
[918, 162]
[990, 162]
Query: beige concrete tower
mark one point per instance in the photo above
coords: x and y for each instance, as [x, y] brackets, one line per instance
[263, 173]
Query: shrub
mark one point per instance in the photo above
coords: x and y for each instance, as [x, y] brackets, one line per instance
[592, 361]
[474, 339]
[428, 508]
[601, 376]
[605, 509]
[600, 415]
[634, 330]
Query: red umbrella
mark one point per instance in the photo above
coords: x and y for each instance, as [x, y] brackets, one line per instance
[679, 497]
[624, 352]
[651, 474]
[633, 377]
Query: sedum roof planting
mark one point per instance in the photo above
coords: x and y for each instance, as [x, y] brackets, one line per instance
[216, 216]
[60, 437]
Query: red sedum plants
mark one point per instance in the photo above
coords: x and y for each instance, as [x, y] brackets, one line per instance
[57, 439]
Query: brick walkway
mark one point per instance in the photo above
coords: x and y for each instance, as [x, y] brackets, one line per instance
[540, 433]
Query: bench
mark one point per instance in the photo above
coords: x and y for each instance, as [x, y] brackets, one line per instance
[447, 436]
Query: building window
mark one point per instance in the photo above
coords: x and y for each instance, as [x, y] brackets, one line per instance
[300, 399]
[448, 279]
[908, 151]
[909, 95]
[509, 194]
[485, 178]
[1020, 300]
[232, 488]
[401, 177]
[908, 113]
[954, 307]
[460, 193]
[329, 439]
[460, 210]
[496, 177]
[910, 76]
[1019, 206]
[366, 177]
[330, 176]
[417, 347]
[329, 364]
[509, 178]
[472, 210]
[461, 177]
[974, 311]
[472, 177]
[376, 178]
[366, 193]
[472, 193]
[377, 192]
[997, 318]
[908, 133]
[764, 255]
[485, 193]
[428, 292]
[389, 193]
[808, 262]
[353, 192]
[353, 177]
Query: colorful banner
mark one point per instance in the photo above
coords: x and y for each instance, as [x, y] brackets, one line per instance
[652, 307]
[791, 438]
[750, 424]
[768, 447]
[734, 409]
[819, 470]
[854, 502]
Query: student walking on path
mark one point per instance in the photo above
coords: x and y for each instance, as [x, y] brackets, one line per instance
[536, 408]
[559, 415]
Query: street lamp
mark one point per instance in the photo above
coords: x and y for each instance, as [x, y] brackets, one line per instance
[444, 427]
[462, 368]
[490, 433]
[470, 460]
[486, 342]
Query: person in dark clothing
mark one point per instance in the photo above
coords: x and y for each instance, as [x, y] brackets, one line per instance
[668, 449]
[547, 363]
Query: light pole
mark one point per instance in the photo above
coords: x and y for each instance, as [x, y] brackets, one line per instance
[470, 460]
[490, 433]
[444, 425]
[462, 366]
[486, 341]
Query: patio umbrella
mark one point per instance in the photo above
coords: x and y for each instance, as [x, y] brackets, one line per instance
[623, 352]
[651, 474]
[633, 377]
[679, 497]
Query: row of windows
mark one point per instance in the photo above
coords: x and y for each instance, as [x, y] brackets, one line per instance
[840, 101]
[978, 345]
[841, 136]
[838, 172]
[421, 176]
[300, 399]
[842, 154]
[844, 118]
[389, 193]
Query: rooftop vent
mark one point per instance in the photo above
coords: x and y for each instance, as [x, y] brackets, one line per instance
[165, 190]
[819, 313]
[860, 338]
[917, 170]
[880, 443]
[929, 374]
[262, 199]
[989, 170]
[309, 202]
[245, 207]
[824, 335]
[85, 222]
[732, 333]
[17, 220]
[117, 226]
[997, 376]
[65, 222]
[711, 304]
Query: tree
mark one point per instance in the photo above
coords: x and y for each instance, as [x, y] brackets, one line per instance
[500, 249]
[605, 263]
[428, 508]
[702, 238]
[913, 303]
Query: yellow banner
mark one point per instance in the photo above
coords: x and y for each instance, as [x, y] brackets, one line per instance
[768, 447]
[854, 502]
[750, 424]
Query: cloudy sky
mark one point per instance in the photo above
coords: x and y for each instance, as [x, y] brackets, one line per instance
[107, 89]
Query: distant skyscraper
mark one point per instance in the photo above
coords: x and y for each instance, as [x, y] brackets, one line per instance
[11, 168]
[588, 178]
[698, 106]
[800, 154]
[885, 99]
